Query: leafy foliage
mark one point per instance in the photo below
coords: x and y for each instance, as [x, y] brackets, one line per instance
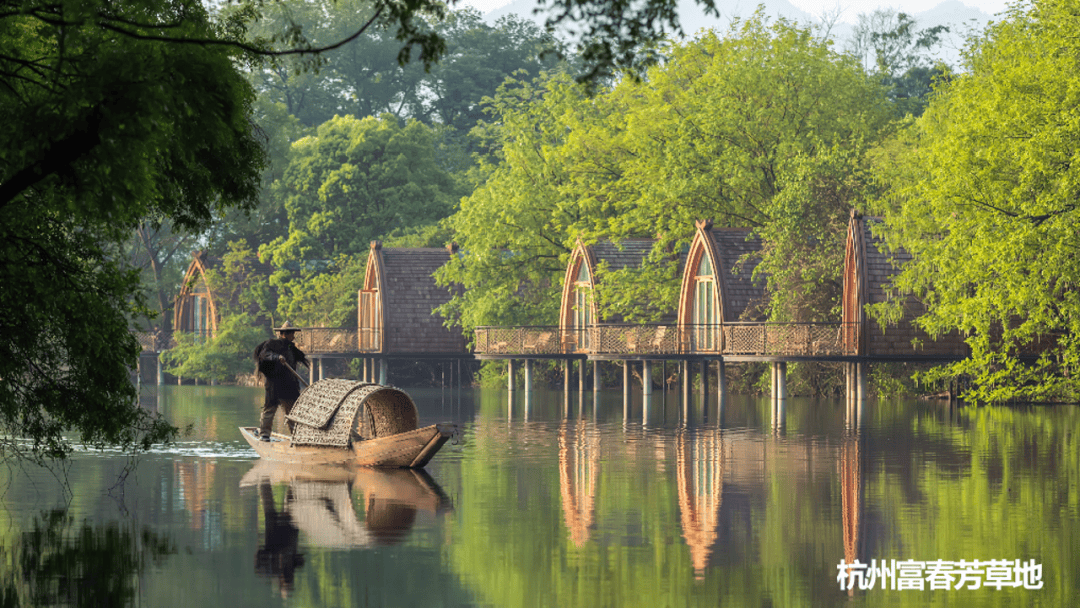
[900, 56]
[223, 358]
[989, 208]
[764, 127]
[104, 130]
[356, 180]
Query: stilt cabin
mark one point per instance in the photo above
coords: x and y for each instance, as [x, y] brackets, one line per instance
[580, 327]
[868, 272]
[397, 300]
[718, 289]
[195, 310]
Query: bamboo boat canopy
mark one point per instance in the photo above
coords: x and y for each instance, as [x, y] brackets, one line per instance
[334, 412]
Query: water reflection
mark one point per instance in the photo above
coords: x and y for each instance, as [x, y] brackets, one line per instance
[279, 555]
[60, 563]
[699, 465]
[319, 502]
[639, 502]
[579, 460]
[850, 469]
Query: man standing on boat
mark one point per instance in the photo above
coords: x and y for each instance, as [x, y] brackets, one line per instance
[276, 359]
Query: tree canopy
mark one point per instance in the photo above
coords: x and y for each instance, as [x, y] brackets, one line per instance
[763, 126]
[103, 130]
[989, 206]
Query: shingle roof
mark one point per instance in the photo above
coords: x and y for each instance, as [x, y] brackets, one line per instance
[740, 291]
[627, 253]
[880, 266]
[409, 297]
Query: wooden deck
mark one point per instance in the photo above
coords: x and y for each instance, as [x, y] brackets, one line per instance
[727, 340]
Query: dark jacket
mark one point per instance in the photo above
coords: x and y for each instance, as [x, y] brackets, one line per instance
[270, 358]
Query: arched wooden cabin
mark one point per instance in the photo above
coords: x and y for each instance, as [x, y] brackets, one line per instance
[196, 310]
[868, 271]
[397, 300]
[717, 285]
[579, 322]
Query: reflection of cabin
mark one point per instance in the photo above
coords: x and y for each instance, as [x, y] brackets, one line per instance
[196, 311]
[717, 284]
[579, 466]
[700, 475]
[850, 466]
[868, 270]
[397, 300]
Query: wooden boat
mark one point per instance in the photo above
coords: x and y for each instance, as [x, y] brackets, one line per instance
[338, 421]
[411, 449]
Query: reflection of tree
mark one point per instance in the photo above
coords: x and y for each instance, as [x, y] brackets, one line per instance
[578, 469]
[700, 474]
[279, 555]
[57, 563]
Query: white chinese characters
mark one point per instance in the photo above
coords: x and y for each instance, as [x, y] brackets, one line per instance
[939, 574]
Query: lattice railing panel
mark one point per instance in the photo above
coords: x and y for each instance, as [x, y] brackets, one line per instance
[315, 340]
[635, 340]
[787, 339]
[746, 339]
[535, 340]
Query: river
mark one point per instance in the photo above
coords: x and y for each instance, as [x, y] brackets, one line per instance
[588, 501]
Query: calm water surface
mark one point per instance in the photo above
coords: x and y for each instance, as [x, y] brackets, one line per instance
[558, 503]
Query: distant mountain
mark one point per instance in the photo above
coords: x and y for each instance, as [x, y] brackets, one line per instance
[960, 19]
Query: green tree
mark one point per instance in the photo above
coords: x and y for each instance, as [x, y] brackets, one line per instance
[989, 207]
[479, 57]
[900, 55]
[104, 130]
[515, 228]
[352, 182]
[221, 359]
[764, 127]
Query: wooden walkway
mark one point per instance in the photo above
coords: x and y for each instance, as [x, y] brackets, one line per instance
[730, 341]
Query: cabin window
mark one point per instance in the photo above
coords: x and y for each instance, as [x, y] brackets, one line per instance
[582, 306]
[198, 319]
[705, 311]
[370, 320]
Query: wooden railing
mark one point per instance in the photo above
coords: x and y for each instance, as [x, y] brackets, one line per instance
[636, 340]
[730, 339]
[318, 340]
[153, 342]
[534, 340]
[789, 339]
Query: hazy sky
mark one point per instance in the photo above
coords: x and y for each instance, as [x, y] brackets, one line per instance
[850, 8]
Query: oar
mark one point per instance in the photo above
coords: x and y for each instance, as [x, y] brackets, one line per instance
[298, 376]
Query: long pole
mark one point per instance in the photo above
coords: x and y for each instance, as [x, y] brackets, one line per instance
[294, 372]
